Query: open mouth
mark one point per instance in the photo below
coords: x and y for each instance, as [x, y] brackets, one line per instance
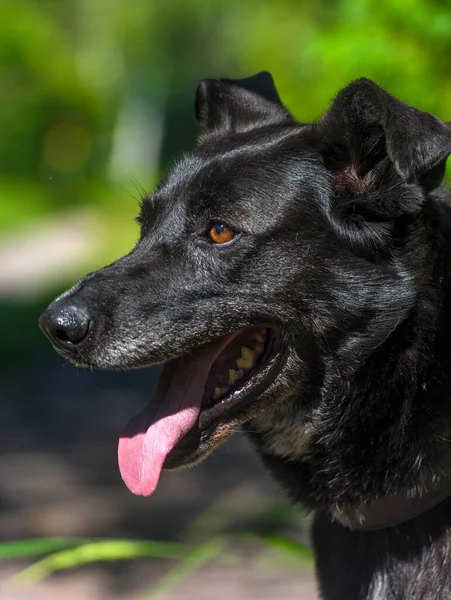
[195, 393]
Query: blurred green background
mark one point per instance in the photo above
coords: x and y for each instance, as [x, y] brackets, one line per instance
[96, 102]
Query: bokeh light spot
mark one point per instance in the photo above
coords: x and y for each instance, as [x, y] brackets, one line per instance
[66, 146]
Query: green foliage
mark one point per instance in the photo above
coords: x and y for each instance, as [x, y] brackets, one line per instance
[93, 92]
[194, 560]
[64, 553]
[85, 552]
[33, 547]
[285, 546]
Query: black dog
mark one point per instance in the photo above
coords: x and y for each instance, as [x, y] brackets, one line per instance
[295, 280]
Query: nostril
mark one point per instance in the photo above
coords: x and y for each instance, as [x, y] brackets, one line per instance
[67, 327]
[72, 335]
[62, 335]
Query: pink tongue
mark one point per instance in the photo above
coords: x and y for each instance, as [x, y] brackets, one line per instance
[173, 411]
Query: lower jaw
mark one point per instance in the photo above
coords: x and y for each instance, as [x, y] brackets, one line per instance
[189, 451]
[211, 432]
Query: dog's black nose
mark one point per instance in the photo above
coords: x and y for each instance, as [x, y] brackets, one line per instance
[67, 326]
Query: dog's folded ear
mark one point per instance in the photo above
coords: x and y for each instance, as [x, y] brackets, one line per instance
[366, 124]
[237, 105]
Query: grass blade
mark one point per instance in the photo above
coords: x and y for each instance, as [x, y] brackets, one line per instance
[34, 547]
[94, 552]
[193, 560]
[285, 545]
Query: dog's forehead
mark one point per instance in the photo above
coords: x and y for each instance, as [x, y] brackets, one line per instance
[246, 169]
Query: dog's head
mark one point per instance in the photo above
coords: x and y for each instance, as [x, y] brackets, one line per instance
[273, 246]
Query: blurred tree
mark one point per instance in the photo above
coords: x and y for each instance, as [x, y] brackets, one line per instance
[94, 93]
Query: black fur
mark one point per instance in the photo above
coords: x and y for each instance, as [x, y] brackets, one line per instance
[343, 246]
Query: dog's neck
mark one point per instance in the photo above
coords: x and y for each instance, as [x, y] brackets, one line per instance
[411, 560]
[385, 428]
[394, 509]
[369, 448]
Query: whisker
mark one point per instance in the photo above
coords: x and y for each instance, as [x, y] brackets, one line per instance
[138, 199]
[138, 187]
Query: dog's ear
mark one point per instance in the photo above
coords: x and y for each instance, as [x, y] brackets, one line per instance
[366, 124]
[236, 105]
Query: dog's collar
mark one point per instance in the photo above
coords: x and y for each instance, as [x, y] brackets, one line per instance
[393, 510]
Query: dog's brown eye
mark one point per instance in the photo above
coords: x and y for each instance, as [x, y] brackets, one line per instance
[221, 234]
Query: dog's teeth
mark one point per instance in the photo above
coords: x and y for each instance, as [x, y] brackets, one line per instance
[247, 359]
[218, 393]
[247, 353]
[239, 374]
[261, 335]
[258, 348]
[233, 376]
